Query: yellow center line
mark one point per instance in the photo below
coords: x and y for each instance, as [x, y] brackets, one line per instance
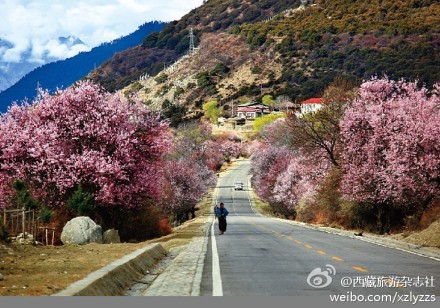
[360, 269]
[337, 259]
[322, 252]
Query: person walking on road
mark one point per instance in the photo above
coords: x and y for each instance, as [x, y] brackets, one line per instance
[221, 214]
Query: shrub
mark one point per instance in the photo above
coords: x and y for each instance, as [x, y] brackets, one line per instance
[45, 215]
[22, 196]
[135, 87]
[256, 70]
[161, 78]
[280, 209]
[203, 79]
[264, 120]
[140, 224]
[328, 197]
[174, 112]
[212, 111]
[220, 69]
[307, 212]
[81, 203]
[165, 227]
[179, 91]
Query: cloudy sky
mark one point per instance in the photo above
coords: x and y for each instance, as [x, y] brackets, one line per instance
[35, 25]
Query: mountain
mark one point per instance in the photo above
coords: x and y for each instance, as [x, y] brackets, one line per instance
[12, 71]
[70, 41]
[284, 48]
[61, 74]
[164, 47]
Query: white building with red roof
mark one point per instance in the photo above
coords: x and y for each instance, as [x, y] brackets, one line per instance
[310, 105]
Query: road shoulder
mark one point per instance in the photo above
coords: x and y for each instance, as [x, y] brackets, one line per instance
[428, 252]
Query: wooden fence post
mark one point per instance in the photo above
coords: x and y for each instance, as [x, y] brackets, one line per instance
[23, 222]
[34, 233]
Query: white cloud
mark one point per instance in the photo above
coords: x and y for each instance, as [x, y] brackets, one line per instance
[33, 26]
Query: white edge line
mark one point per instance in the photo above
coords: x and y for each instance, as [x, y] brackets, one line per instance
[217, 287]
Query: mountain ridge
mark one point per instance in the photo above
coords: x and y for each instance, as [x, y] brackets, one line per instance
[212, 16]
[294, 51]
[12, 71]
[54, 75]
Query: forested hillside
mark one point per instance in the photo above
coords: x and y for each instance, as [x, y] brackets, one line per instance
[164, 47]
[355, 39]
[283, 48]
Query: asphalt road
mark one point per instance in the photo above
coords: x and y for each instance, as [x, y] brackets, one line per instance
[258, 255]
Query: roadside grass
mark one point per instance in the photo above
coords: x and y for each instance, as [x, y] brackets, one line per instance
[261, 206]
[43, 270]
[184, 233]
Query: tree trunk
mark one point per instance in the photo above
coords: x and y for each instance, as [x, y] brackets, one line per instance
[422, 209]
[380, 218]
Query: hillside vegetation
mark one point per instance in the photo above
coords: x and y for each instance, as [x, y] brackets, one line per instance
[251, 48]
[164, 47]
[355, 39]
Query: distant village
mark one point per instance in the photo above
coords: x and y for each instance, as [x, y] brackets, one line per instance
[252, 110]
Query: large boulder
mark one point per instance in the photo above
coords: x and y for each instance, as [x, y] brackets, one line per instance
[111, 236]
[81, 230]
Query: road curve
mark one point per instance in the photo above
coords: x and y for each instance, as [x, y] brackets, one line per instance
[259, 255]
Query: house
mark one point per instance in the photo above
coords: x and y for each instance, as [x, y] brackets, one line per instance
[252, 110]
[310, 105]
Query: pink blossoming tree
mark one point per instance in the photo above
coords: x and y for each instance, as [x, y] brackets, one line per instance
[391, 134]
[267, 164]
[85, 136]
[184, 184]
[300, 179]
